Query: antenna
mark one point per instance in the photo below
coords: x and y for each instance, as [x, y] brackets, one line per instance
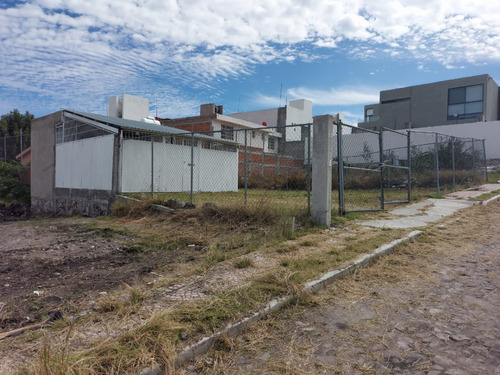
[156, 105]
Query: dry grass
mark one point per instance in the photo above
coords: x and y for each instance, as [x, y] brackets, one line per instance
[288, 343]
[143, 333]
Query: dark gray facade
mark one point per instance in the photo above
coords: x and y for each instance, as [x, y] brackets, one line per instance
[456, 101]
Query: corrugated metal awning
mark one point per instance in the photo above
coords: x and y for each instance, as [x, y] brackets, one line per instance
[144, 127]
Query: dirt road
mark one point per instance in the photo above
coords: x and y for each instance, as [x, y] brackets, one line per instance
[433, 308]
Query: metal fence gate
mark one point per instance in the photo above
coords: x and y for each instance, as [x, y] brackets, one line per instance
[357, 170]
[395, 165]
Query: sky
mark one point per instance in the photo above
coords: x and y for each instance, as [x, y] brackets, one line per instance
[246, 55]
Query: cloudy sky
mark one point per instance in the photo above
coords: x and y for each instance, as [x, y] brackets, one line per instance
[246, 55]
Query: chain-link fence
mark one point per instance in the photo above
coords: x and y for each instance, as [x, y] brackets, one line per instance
[226, 166]
[395, 167]
[14, 146]
[372, 169]
[356, 174]
[445, 162]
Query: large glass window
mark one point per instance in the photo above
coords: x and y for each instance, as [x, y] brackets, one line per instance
[465, 102]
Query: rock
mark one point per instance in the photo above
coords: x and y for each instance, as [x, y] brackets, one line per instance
[174, 203]
[265, 357]
[459, 338]
[209, 362]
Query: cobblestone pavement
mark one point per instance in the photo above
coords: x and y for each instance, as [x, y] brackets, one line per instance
[431, 308]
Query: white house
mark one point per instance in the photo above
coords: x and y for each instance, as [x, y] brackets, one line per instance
[80, 161]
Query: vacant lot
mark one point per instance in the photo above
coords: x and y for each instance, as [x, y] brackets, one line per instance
[117, 294]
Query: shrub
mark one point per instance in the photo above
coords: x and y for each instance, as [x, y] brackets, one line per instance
[291, 179]
[12, 186]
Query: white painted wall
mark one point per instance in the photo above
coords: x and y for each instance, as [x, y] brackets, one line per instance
[364, 147]
[490, 131]
[258, 138]
[270, 116]
[134, 107]
[85, 164]
[213, 170]
[422, 137]
[297, 112]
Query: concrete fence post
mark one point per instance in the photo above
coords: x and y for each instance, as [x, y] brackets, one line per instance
[309, 168]
[322, 168]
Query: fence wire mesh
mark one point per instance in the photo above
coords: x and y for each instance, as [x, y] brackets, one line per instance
[372, 169]
[12, 146]
[396, 170]
[445, 162]
[226, 166]
[357, 157]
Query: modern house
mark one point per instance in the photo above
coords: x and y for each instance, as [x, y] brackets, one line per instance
[81, 161]
[456, 101]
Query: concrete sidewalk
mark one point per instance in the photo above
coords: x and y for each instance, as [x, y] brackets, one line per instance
[420, 214]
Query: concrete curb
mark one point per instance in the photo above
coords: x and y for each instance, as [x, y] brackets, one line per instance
[495, 198]
[206, 343]
[329, 277]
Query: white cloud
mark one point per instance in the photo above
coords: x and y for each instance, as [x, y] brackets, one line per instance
[342, 96]
[68, 49]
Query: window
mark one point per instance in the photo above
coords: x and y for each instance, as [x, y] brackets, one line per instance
[227, 132]
[270, 144]
[465, 102]
[73, 130]
[369, 115]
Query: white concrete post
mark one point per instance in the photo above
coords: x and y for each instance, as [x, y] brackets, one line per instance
[321, 213]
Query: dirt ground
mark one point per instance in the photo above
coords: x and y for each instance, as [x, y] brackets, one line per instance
[65, 267]
[47, 264]
[430, 308]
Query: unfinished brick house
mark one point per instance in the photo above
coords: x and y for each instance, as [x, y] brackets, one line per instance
[272, 147]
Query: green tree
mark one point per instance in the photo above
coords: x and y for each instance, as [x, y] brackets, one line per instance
[12, 182]
[11, 125]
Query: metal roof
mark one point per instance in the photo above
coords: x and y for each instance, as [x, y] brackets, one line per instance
[145, 127]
